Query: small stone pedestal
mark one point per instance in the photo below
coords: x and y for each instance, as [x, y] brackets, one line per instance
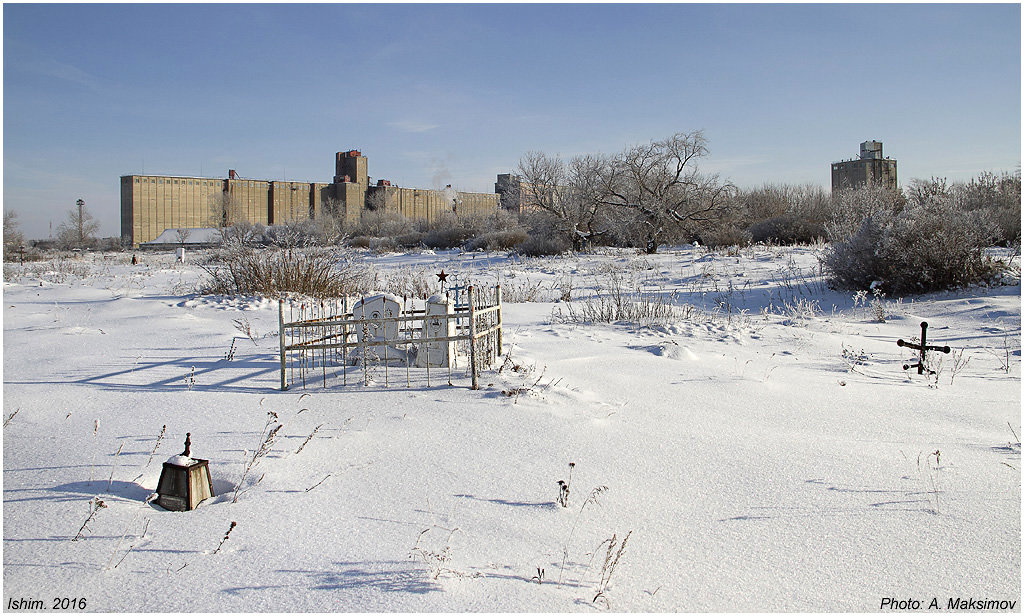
[184, 482]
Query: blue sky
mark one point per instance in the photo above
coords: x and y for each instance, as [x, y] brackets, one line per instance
[438, 94]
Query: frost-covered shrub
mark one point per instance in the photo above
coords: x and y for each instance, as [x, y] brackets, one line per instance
[376, 244]
[243, 233]
[927, 244]
[410, 240]
[787, 229]
[544, 237]
[243, 270]
[384, 231]
[324, 230]
[449, 231]
[498, 230]
[542, 245]
[723, 235]
[998, 198]
[382, 223]
[774, 213]
[498, 240]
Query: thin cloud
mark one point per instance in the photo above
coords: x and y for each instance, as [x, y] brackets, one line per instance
[411, 126]
[62, 71]
[728, 165]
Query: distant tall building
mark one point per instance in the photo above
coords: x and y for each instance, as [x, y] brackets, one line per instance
[871, 169]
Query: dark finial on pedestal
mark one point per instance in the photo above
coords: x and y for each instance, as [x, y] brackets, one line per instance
[188, 445]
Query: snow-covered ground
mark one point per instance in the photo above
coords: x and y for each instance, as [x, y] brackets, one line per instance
[764, 451]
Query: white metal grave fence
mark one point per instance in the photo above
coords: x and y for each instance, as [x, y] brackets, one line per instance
[330, 340]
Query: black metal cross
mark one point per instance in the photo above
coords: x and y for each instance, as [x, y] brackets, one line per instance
[923, 347]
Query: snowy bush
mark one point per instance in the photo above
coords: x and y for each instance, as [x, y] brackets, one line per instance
[544, 237]
[542, 244]
[998, 197]
[929, 243]
[243, 233]
[499, 230]
[382, 223]
[774, 213]
[498, 240]
[324, 230]
[449, 231]
[789, 228]
[376, 244]
[244, 270]
[724, 235]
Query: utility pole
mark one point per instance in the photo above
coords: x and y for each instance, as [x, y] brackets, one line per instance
[81, 223]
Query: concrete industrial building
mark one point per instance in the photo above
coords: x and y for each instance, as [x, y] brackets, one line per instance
[151, 204]
[870, 169]
[520, 197]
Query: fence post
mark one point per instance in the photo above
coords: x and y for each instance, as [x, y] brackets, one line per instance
[472, 337]
[497, 296]
[280, 334]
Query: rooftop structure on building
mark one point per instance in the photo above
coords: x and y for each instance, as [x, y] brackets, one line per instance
[869, 169]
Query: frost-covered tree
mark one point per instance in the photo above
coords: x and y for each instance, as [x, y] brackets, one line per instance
[661, 183]
[565, 192]
[78, 229]
[13, 238]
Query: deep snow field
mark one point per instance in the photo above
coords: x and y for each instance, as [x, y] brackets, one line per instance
[765, 451]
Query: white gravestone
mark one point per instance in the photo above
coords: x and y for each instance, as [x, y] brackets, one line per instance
[384, 306]
[439, 354]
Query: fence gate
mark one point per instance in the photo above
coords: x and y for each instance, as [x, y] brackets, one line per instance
[399, 337]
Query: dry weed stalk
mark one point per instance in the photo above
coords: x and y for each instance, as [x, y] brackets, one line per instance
[959, 363]
[243, 325]
[267, 436]
[95, 433]
[8, 419]
[515, 392]
[438, 561]
[226, 535]
[159, 439]
[565, 548]
[308, 438]
[95, 504]
[309, 489]
[611, 561]
[563, 487]
[230, 355]
[113, 467]
[117, 548]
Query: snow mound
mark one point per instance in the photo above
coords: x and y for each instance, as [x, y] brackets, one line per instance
[670, 350]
